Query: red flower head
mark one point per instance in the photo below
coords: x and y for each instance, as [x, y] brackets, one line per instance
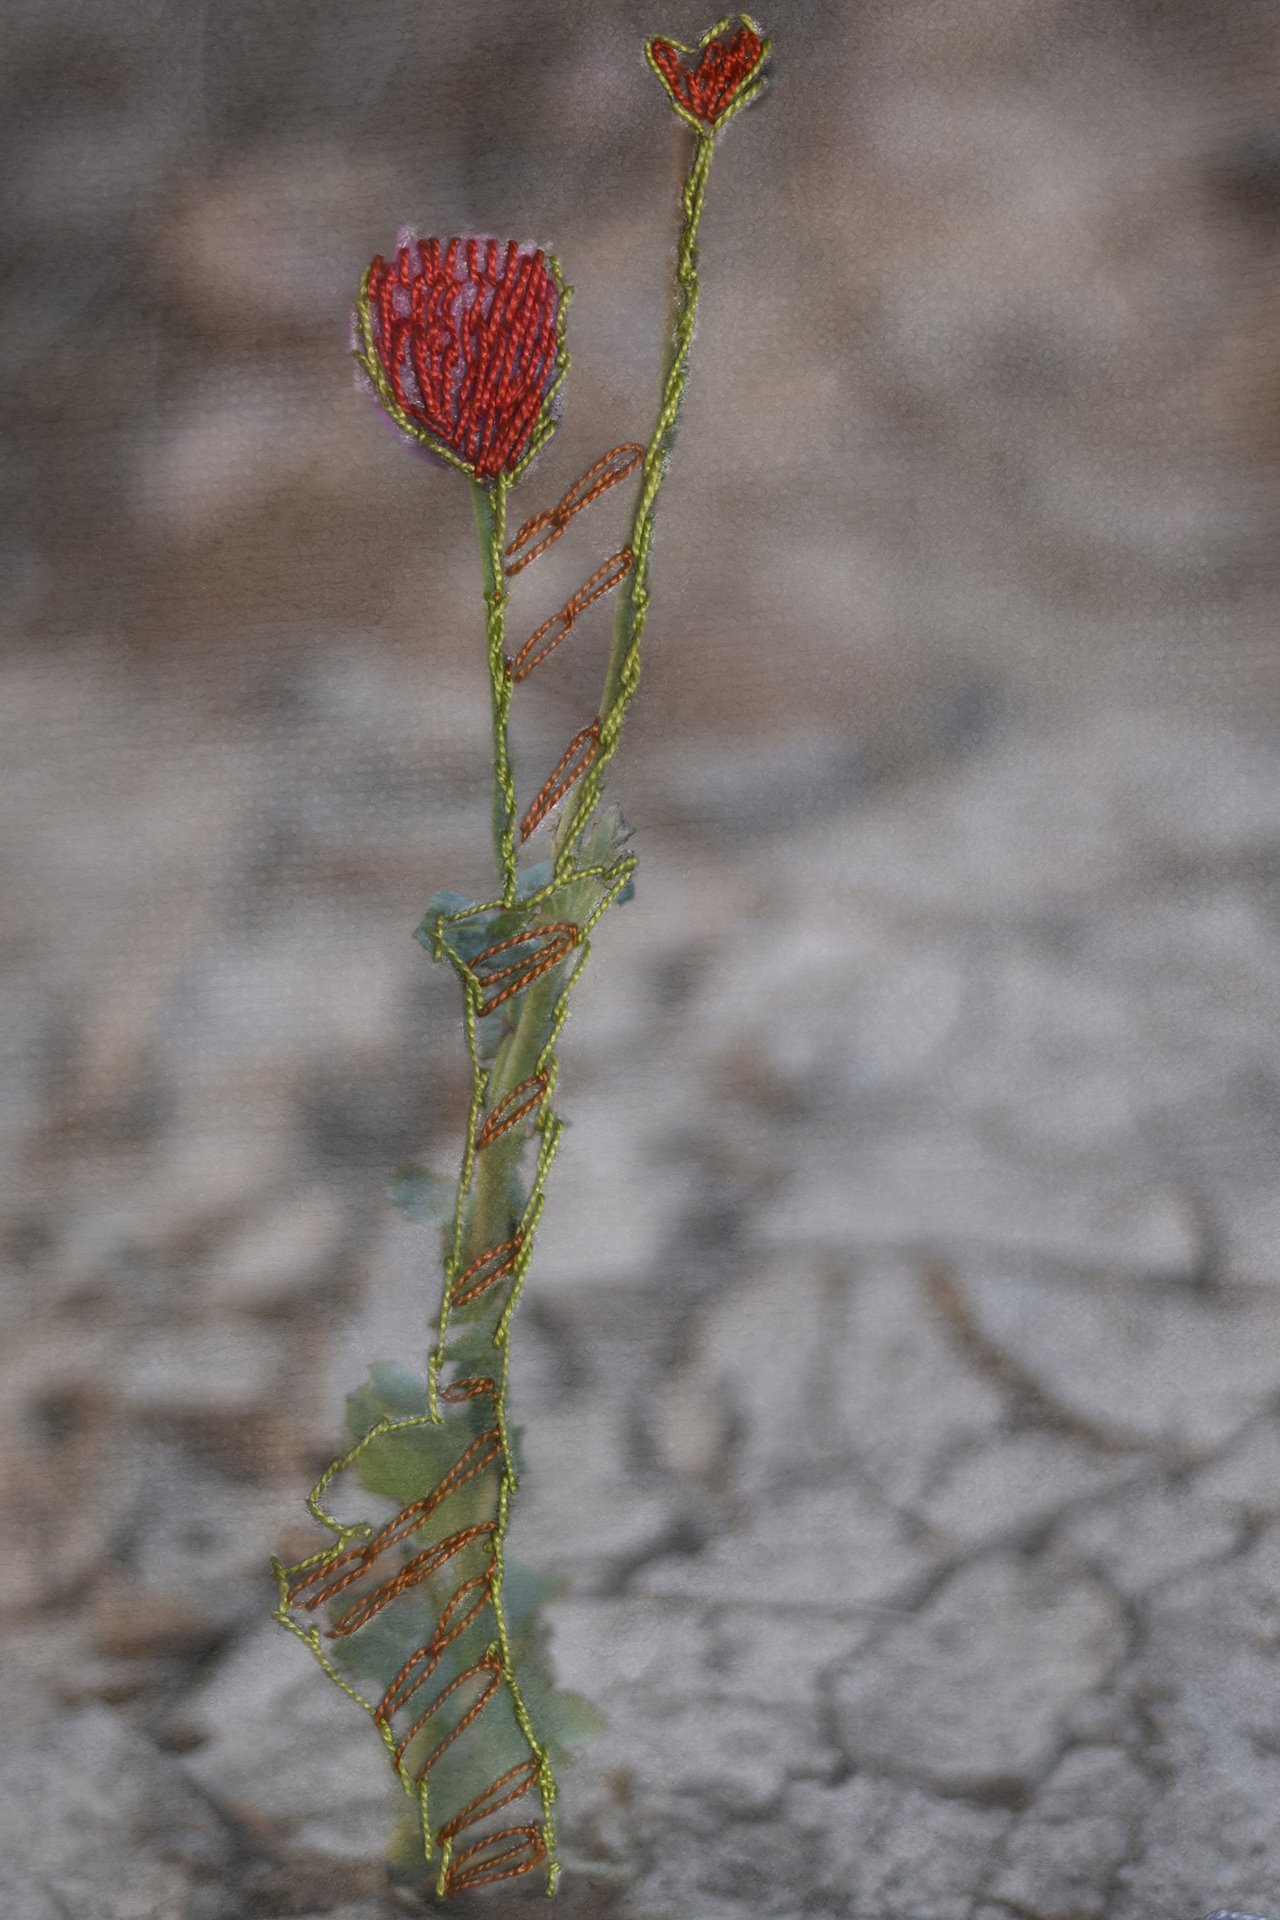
[463, 344]
[727, 76]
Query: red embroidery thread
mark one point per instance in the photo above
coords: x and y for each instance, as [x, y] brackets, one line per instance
[466, 334]
[707, 91]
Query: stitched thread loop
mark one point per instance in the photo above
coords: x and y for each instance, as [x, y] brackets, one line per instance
[511, 1109]
[571, 766]
[605, 578]
[607, 471]
[555, 940]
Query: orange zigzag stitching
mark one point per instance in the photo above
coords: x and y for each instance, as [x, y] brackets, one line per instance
[512, 1108]
[571, 766]
[607, 471]
[557, 938]
[605, 578]
[359, 1560]
[507, 1852]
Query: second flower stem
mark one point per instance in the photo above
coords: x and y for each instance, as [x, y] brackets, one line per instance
[622, 675]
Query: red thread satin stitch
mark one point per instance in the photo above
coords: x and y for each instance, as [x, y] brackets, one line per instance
[708, 90]
[467, 335]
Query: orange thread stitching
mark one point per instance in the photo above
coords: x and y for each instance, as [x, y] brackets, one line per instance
[506, 1256]
[360, 1555]
[588, 487]
[492, 1665]
[505, 1115]
[489, 1448]
[411, 1574]
[483, 1873]
[605, 578]
[398, 1694]
[558, 938]
[484, 1804]
[470, 1388]
[571, 766]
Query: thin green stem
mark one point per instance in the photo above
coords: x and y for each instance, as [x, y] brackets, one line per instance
[490, 504]
[622, 674]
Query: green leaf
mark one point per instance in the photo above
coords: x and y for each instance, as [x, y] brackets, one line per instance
[534, 878]
[426, 1198]
[474, 930]
[564, 1720]
[443, 903]
[407, 1461]
[390, 1393]
[524, 1594]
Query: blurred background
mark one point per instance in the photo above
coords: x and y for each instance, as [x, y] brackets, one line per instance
[901, 1366]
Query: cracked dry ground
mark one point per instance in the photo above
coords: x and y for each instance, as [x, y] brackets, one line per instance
[905, 1420]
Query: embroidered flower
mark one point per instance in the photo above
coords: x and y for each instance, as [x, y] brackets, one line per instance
[463, 344]
[728, 74]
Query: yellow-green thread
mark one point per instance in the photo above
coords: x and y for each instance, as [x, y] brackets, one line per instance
[532, 1019]
[441, 948]
[486, 1084]
[453, 1258]
[490, 502]
[622, 675]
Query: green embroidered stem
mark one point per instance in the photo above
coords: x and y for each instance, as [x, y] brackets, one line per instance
[622, 675]
[494, 1208]
[421, 1618]
[493, 1204]
[490, 504]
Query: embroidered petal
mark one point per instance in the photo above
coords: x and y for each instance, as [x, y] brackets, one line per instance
[463, 344]
[709, 83]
